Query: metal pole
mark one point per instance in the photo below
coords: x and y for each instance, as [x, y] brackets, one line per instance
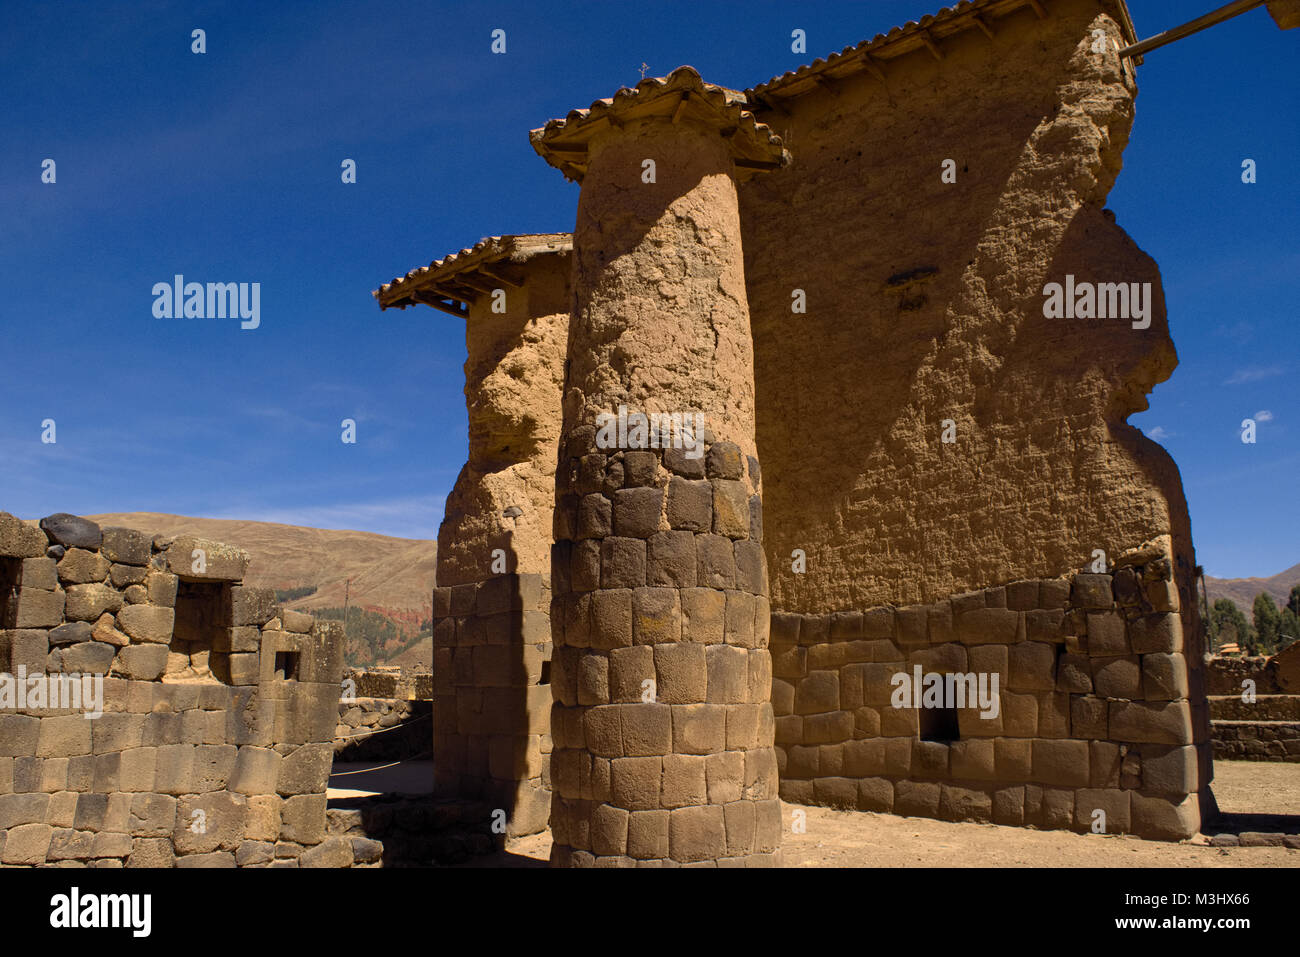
[1193, 26]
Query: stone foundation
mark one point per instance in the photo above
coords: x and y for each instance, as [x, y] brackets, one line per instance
[1093, 710]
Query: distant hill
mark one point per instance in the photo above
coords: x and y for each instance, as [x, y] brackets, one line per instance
[393, 577]
[1243, 590]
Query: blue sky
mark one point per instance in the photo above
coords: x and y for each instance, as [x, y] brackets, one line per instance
[226, 167]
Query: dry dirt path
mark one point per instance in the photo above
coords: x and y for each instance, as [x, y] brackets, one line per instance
[863, 839]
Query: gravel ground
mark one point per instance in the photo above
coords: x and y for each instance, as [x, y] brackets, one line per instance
[863, 839]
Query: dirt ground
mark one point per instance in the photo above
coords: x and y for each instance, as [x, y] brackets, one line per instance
[863, 839]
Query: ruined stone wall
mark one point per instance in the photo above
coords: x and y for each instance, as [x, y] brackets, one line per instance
[384, 715]
[213, 749]
[925, 310]
[1259, 720]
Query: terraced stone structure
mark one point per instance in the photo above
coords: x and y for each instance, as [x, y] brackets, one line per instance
[949, 479]
[213, 745]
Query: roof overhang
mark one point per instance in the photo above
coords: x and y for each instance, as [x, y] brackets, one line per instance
[870, 55]
[453, 283]
[682, 96]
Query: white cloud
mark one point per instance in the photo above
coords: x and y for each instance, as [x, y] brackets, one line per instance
[1158, 433]
[1263, 415]
[1252, 374]
[414, 517]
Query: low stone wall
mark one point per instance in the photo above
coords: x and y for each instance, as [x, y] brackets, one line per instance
[1226, 675]
[1259, 723]
[383, 729]
[1093, 707]
[394, 830]
[1257, 741]
[214, 740]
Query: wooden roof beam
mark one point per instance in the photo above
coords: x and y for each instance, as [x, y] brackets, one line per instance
[681, 106]
[826, 84]
[930, 45]
[431, 299]
[984, 27]
[1039, 8]
[500, 276]
[467, 279]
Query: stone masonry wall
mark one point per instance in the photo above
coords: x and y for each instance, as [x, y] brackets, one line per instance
[1259, 723]
[1093, 707]
[386, 718]
[492, 697]
[213, 748]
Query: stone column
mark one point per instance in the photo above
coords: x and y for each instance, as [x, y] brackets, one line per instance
[662, 724]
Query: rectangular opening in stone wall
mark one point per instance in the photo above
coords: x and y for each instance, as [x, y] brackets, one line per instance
[286, 666]
[545, 678]
[939, 724]
[202, 624]
[11, 570]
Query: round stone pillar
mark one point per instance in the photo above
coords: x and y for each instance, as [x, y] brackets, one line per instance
[662, 724]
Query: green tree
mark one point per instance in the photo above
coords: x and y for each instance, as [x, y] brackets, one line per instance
[1293, 601]
[1228, 625]
[1267, 621]
[1288, 628]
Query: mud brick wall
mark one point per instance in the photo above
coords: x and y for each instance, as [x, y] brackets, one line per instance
[214, 745]
[924, 304]
[514, 365]
[492, 697]
[1094, 707]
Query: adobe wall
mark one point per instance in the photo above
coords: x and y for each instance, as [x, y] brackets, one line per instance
[214, 746]
[513, 373]
[925, 304]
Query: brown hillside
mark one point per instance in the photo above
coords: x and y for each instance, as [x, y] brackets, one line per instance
[394, 576]
[1243, 590]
